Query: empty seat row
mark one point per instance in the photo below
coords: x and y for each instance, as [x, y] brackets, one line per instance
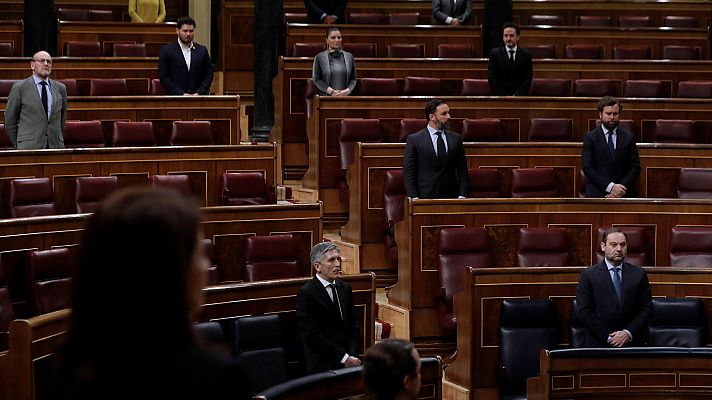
[392, 18]
[93, 48]
[97, 87]
[627, 21]
[80, 134]
[83, 14]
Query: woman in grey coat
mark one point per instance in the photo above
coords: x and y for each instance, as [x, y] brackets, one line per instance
[334, 71]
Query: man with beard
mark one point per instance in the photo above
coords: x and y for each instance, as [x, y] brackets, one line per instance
[184, 66]
[434, 163]
[510, 68]
[37, 108]
[610, 156]
[613, 297]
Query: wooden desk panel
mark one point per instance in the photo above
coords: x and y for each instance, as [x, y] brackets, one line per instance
[107, 33]
[11, 31]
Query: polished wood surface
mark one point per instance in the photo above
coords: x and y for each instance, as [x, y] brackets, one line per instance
[477, 309]
[108, 33]
[11, 31]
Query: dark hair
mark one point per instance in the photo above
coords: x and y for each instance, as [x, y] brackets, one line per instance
[611, 231]
[608, 101]
[130, 292]
[332, 29]
[431, 106]
[385, 364]
[511, 25]
[185, 20]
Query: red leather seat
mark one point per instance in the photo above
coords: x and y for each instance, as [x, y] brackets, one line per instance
[7, 49]
[455, 50]
[7, 312]
[638, 252]
[671, 52]
[458, 248]
[157, 88]
[674, 131]
[632, 53]
[91, 190]
[6, 86]
[244, 188]
[213, 267]
[695, 183]
[542, 51]
[307, 49]
[361, 50]
[191, 133]
[403, 18]
[5, 143]
[550, 87]
[551, 130]
[365, 18]
[695, 89]
[691, 247]
[82, 49]
[421, 86]
[483, 182]
[72, 14]
[475, 87]
[545, 20]
[28, 197]
[354, 130]
[635, 21]
[482, 130]
[596, 88]
[593, 20]
[377, 87]
[404, 50]
[585, 51]
[83, 134]
[270, 257]
[178, 182]
[108, 87]
[534, 182]
[133, 134]
[101, 15]
[51, 279]
[542, 247]
[71, 85]
[129, 50]
[408, 126]
[643, 88]
[680, 21]
[393, 198]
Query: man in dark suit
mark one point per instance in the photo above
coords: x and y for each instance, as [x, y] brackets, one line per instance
[451, 12]
[325, 11]
[37, 108]
[510, 68]
[613, 297]
[609, 156]
[184, 66]
[434, 163]
[327, 318]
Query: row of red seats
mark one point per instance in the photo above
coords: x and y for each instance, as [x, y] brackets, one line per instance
[97, 87]
[392, 18]
[89, 48]
[83, 14]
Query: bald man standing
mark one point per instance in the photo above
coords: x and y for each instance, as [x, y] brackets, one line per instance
[37, 108]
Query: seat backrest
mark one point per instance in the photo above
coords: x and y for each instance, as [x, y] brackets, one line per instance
[307, 49]
[7, 312]
[482, 130]
[404, 50]
[82, 49]
[72, 14]
[403, 18]
[691, 247]
[72, 87]
[475, 87]
[191, 133]
[29, 197]
[133, 133]
[421, 86]
[51, 279]
[674, 131]
[542, 51]
[408, 126]
[393, 198]
[672, 52]
[632, 53]
[534, 182]
[593, 20]
[157, 88]
[270, 257]
[455, 50]
[353, 130]
[5, 143]
[578, 330]
[101, 15]
[543, 247]
[551, 129]
[459, 248]
[129, 50]
[634, 21]
[636, 243]
[526, 326]
[643, 88]
[210, 336]
[259, 343]
[212, 256]
[83, 134]
[244, 188]
[361, 50]
[377, 87]
[299, 18]
[695, 89]
[365, 18]
[677, 322]
[545, 20]
[589, 51]
[550, 87]
[6, 86]
[695, 183]
[7, 49]
[178, 182]
[90, 190]
[483, 182]
[680, 21]
[595, 88]
[108, 87]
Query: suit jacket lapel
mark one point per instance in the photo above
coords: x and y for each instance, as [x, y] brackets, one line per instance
[56, 101]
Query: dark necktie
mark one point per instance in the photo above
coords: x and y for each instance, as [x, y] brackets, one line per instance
[442, 153]
[617, 282]
[44, 96]
[335, 298]
[611, 146]
[511, 58]
[452, 8]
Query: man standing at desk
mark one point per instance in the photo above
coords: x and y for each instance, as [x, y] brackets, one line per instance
[37, 108]
[613, 297]
[325, 11]
[451, 12]
[510, 68]
[184, 66]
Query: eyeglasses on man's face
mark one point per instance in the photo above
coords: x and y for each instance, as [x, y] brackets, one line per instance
[42, 61]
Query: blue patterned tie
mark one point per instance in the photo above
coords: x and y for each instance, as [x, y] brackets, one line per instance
[617, 282]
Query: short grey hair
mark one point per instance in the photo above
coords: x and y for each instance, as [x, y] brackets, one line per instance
[318, 252]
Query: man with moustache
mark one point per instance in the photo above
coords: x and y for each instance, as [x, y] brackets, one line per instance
[510, 68]
[184, 66]
[434, 163]
[327, 318]
[613, 297]
[37, 108]
[609, 156]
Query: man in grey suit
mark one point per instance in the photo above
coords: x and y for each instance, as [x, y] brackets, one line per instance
[37, 108]
[451, 12]
[434, 163]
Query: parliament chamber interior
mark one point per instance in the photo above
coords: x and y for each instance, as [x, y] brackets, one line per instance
[484, 286]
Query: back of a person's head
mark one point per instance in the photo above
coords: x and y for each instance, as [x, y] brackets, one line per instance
[385, 365]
